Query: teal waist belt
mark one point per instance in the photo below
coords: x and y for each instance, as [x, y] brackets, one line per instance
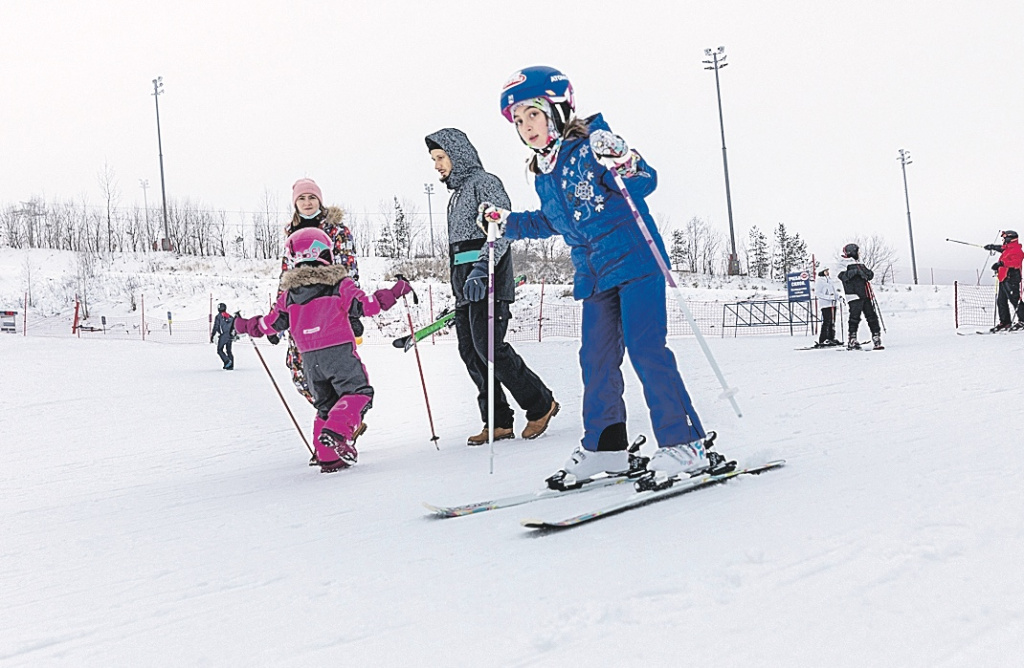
[465, 257]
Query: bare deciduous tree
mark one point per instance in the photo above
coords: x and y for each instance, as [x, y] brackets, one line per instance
[111, 195]
[267, 229]
[697, 247]
[876, 254]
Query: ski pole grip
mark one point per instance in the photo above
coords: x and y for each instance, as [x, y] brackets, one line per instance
[415, 299]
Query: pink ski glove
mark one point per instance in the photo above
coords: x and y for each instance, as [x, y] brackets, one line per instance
[388, 297]
[248, 326]
[385, 298]
[401, 288]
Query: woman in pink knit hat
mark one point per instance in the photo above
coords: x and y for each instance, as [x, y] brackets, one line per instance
[308, 210]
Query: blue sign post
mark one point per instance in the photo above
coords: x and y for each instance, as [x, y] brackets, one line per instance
[798, 285]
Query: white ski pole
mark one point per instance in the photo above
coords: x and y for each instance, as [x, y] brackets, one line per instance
[492, 233]
[727, 392]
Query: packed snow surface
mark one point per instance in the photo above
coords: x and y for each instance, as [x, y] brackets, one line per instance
[159, 511]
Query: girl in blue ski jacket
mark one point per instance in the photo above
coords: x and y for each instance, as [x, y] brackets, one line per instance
[617, 275]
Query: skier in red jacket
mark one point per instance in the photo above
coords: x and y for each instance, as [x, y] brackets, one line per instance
[1008, 271]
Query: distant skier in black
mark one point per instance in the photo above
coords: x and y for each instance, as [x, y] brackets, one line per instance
[224, 330]
[856, 285]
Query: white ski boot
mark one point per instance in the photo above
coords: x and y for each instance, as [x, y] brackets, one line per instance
[585, 464]
[677, 460]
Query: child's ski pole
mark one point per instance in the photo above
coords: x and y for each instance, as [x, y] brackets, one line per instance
[727, 392]
[492, 233]
[419, 365]
[286, 407]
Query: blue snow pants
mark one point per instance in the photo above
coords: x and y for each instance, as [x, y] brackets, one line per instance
[632, 317]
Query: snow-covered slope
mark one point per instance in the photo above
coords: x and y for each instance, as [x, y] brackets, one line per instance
[159, 511]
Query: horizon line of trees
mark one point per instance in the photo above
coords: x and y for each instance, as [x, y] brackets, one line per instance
[397, 231]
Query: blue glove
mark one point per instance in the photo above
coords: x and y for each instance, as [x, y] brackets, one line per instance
[475, 287]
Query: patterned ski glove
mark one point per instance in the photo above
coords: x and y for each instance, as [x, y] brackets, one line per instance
[475, 288]
[487, 212]
[612, 151]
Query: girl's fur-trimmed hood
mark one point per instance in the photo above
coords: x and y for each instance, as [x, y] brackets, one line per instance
[309, 275]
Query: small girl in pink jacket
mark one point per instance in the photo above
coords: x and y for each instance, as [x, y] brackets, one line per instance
[316, 301]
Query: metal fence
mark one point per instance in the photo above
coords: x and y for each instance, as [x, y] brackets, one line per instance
[769, 316]
[544, 321]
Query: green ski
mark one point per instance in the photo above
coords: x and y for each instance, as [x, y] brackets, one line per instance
[407, 342]
[444, 320]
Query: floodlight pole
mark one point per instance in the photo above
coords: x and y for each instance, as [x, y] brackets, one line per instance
[905, 160]
[158, 88]
[144, 184]
[428, 188]
[717, 62]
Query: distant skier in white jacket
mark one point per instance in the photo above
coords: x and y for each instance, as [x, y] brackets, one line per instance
[828, 298]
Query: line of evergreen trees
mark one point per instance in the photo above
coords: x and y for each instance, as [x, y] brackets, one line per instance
[698, 248]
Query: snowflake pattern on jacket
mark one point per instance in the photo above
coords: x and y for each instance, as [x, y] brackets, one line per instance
[581, 201]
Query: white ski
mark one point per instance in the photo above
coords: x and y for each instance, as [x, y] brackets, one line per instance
[637, 499]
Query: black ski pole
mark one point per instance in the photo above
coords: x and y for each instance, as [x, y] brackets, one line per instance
[874, 302]
[286, 407]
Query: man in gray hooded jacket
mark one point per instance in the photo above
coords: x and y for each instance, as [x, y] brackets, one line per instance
[459, 167]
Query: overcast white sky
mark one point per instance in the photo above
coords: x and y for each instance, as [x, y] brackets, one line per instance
[818, 97]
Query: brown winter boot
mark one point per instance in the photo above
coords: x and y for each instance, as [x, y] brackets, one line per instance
[535, 428]
[500, 434]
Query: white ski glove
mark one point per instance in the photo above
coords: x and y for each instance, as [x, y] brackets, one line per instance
[487, 212]
[612, 151]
